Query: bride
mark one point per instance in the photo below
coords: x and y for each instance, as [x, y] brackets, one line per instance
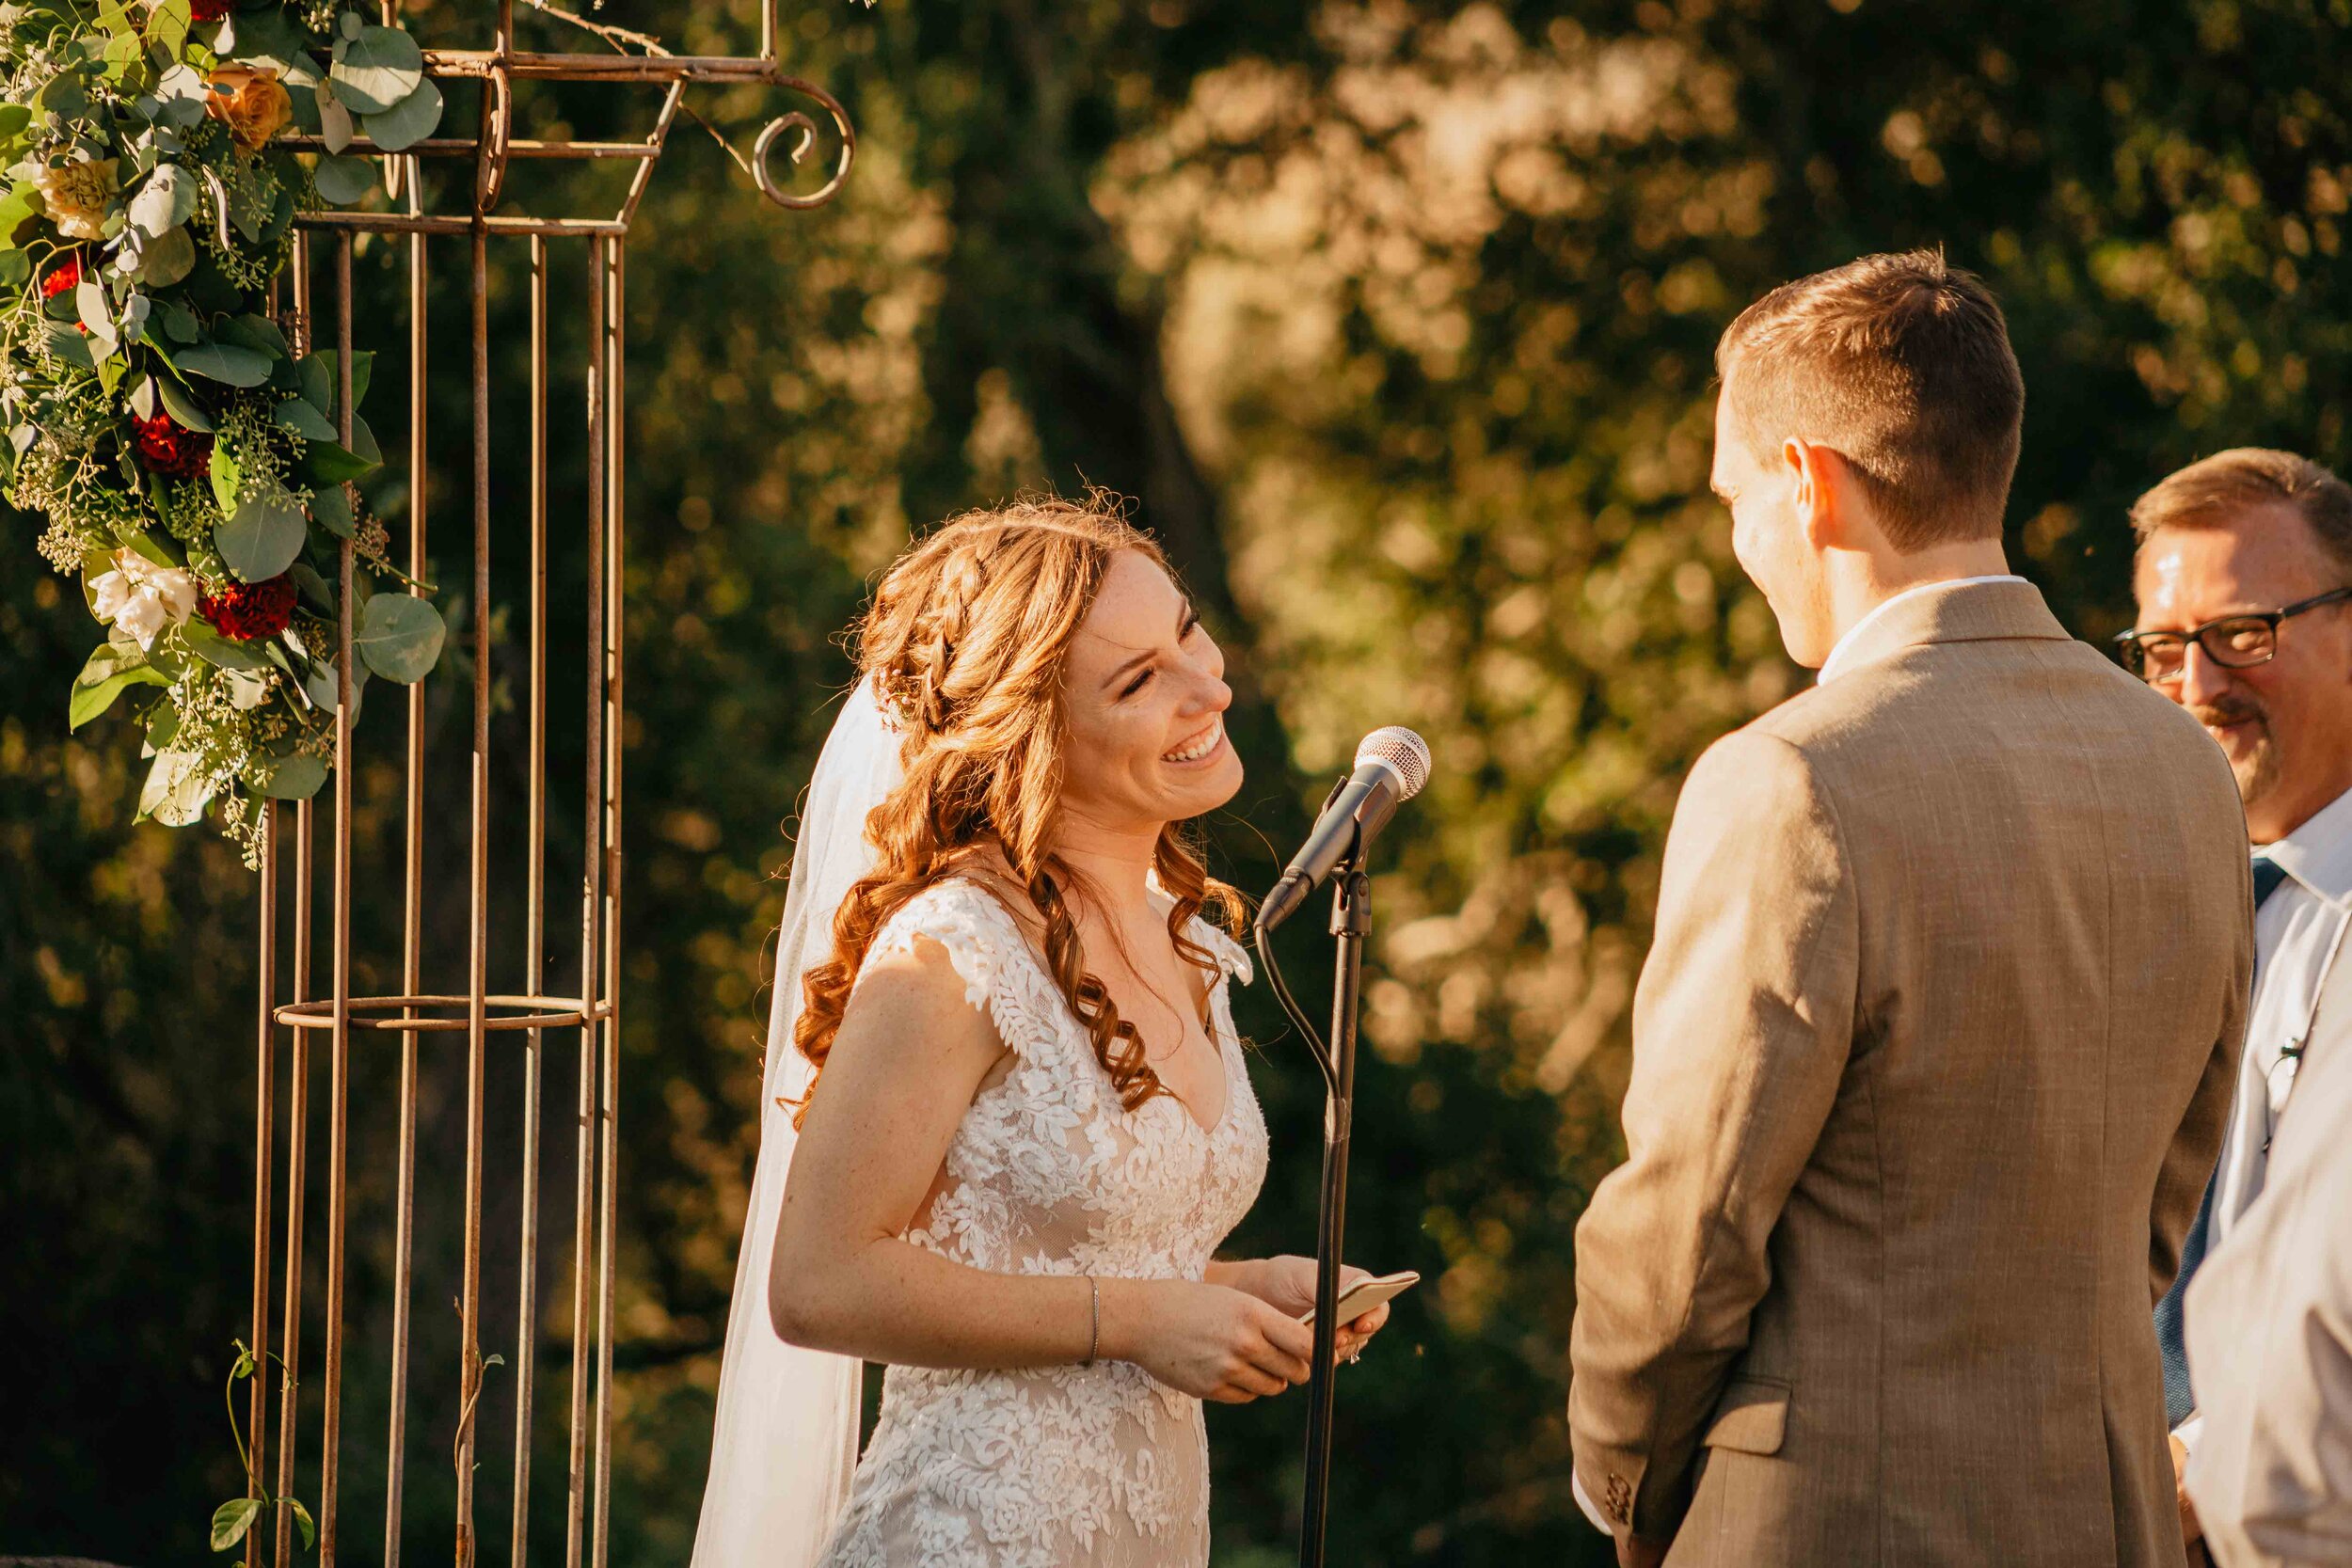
[1003, 1047]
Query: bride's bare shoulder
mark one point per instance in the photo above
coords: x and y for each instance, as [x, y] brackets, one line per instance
[985, 868]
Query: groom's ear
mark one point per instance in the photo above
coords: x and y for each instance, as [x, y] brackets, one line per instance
[1826, 496]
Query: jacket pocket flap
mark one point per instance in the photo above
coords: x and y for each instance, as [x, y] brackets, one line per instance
[1753, 1416]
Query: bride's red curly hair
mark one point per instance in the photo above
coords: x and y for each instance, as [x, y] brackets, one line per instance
[966, 643]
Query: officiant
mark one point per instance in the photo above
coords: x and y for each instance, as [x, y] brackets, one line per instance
[2241, 574]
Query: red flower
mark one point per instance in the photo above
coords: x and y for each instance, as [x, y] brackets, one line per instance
[65, 275]
[171, 450]
[211, 10]
[245, 611]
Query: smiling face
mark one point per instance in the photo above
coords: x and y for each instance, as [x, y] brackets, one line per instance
[2286, 726]
[1145, 698]
[1769, 539]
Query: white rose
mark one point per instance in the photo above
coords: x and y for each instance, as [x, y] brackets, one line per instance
[142, 598]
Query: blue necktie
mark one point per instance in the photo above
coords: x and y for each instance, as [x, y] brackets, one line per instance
[2171, 1324]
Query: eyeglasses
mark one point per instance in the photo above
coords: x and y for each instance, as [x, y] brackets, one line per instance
[2234, 642]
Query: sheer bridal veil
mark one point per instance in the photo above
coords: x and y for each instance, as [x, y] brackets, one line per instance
[785, 1438]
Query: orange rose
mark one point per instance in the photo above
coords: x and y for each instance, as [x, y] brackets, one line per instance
[248, 99]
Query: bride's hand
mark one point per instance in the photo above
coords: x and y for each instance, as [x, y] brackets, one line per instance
[1287, 1284]
[1211, 1342]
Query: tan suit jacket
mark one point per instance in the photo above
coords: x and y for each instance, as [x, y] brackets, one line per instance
[1930, 1062]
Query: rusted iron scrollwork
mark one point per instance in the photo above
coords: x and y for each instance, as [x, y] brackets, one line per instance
[798, 120]
[524, 1015]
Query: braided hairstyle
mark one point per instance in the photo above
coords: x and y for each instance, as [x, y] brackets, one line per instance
[965, 643]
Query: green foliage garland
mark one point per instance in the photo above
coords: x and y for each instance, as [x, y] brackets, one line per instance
[188, 461]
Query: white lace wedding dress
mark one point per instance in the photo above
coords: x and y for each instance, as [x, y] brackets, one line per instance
[1069, 1466]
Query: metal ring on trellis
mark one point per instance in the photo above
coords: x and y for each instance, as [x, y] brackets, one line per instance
[799, 121]
[502, 1013]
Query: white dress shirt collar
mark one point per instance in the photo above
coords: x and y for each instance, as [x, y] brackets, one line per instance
[1829, 665]
[2318, 854]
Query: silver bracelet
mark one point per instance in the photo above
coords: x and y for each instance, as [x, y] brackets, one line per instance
[1094, 1319]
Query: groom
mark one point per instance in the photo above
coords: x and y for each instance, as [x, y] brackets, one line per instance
[1932, 1052]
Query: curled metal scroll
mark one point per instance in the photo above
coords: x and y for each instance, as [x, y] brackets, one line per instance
[801, 122]
[497, 133]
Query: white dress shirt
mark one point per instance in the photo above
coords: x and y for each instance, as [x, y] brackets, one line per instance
[2298, 933]
[2270, 1345]
[1829, 665]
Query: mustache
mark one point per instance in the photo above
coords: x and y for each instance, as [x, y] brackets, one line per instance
[2230, 708]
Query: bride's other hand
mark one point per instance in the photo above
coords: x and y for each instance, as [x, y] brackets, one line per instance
[1287, 1284]
[1211, 1342]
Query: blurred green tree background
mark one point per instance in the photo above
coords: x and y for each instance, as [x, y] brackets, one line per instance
[1397, 320]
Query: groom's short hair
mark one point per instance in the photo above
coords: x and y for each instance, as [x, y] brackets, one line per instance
[1901, 365]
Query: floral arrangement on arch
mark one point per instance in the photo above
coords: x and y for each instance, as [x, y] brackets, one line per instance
[187, 463]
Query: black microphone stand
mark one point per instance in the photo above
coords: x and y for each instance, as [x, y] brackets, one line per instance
[1351, 913]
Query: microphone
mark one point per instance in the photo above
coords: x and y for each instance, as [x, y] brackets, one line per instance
[1391, 764]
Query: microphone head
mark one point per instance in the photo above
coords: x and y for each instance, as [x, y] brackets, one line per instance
[1403, 752]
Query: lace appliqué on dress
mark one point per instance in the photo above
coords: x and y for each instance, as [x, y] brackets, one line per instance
[1049, 1174]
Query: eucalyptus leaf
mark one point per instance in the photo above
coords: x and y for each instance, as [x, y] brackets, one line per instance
[175, 795]
[248, 209]
[167, 23]
[335, 123]
[112, 671]
[184, 410]
[247, 689]
[224, 362]
[97, 311]
[65, 95]
[377, 69]
[261, 538]
[264, 36]
[180, 323]
[14, 118]
[168, 258]
[294, 778]
[297, 415]
[321, 686]
[406, 122]
[313, 586]
[331, 509]
[314, 377]
[362, 370]
[222, 653]
[67, 342]
[142, 396]
[329, 464]
[165, 201]
[133, 537]
[399, 637]
[224, 473]
[345, 180]
[183, 92]
[254, 330]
